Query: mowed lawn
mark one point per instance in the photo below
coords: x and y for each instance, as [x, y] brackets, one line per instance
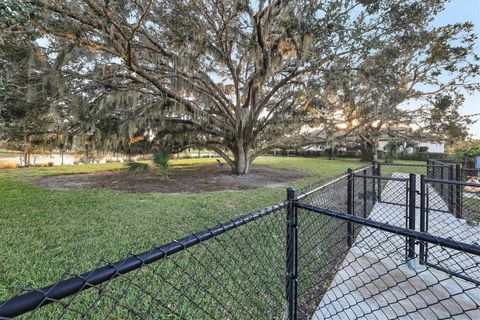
[45, 233]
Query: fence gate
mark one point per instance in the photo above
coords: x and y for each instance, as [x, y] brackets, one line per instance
[446, 212]
[387, 199]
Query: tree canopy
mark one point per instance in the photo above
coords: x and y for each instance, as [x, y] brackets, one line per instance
[239, 77]
[416, 84]
[31, 88]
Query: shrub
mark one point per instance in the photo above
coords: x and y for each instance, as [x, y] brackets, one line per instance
[473, 151]
[161, 157]
[42, 164]
[422, 149]
[391, 151]
[423, 156]
[466, 149]
[8, 165]
[135, 168]
[50, 164]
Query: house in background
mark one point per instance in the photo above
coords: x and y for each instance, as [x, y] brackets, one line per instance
[433, 147]
[403, 130]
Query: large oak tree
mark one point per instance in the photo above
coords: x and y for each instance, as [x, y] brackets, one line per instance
[237, 77]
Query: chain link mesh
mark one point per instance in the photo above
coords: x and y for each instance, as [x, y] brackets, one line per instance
[375, 281]
[376, 278]
[239, 274]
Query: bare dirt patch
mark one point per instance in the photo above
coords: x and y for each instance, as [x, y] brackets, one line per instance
[204, 178]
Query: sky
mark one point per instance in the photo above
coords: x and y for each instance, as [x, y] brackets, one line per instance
[462, 11]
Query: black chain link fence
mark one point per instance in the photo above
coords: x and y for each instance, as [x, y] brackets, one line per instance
[470, 174]
[387, 265]
[370, 243]
[317, 244]
[374, 279]
[235, 270]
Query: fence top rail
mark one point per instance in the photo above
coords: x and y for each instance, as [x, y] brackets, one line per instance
[422, 236]
[316, 189]
[446, 161]
[413, 165]
[331, 182]
[362, 169]
[380, 177]
[453, 182]
[24, 303]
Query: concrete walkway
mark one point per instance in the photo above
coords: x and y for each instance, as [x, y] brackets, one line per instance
[374, 282]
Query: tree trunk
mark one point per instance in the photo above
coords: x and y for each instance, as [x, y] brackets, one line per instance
[331, 153]
[367, 150]
[241, 159]
[27, 159]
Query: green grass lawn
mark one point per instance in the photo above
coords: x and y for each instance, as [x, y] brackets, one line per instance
[3, 150]
[45, 232]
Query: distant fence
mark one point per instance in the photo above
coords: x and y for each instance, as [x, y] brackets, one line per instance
[322, 253]
[313, 153]
[53, 158]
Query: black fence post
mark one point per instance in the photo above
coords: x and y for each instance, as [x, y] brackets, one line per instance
[442, 177]
[350, 207]
[412, 192]
[458, 192]
[374, 172]
[434, 174]
[379, 182]
[292, 256]
[450, 189]
[423, 221]
[365, 173]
